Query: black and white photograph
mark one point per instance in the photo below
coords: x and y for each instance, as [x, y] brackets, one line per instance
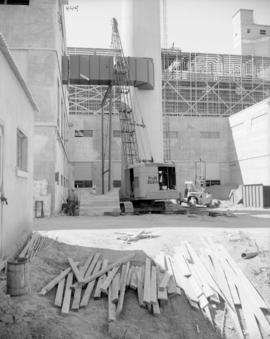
[134, 169]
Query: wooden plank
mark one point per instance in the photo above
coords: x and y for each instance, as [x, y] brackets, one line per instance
[160, 260]
[250, 320]
[147, 281]
[156, 309]
[172, 283]
[254, 294]
[111, 306]
[91, 267]
[97, 293]
[78, 289]
[87, 264]
[67, 296]
[130, 272]
[115, 288]
[108, 268]
[122, 288]
[183, 267]
[140, 279]
[55, 281]
[59, 293]
[106, 283]
[162, 295]
[90, 286]
[153, 285]
[133, 280]
[165, 281]
[75, 270]
[203, 302]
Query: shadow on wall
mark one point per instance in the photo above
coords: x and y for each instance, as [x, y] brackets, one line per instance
[236, 178]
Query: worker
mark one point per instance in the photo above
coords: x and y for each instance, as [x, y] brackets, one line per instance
[73, 202]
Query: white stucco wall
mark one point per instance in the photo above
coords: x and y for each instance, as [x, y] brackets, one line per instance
[16, 111]
[251, 143]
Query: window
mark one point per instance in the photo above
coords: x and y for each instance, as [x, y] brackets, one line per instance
[248, 30]
[166, 178]
[262, 31]
[83, 133]
[117, 183]
[171, 134]
[57, 177]
[22, 151]
[83, 183]
[116, 134]
[14, 2]
[212, 182]
[209, 135]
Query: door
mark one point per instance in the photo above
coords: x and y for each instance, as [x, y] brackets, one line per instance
[1, 191]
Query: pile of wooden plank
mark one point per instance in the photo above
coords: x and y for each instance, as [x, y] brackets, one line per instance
[206, 279]
[76, 284]
[213, 277]
[35, 243]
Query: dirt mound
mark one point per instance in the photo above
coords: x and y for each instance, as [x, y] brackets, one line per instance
[35, 316]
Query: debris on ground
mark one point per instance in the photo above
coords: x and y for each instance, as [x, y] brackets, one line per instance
[130, 237]
[212, 278]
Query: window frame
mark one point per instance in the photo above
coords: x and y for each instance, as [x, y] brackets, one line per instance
[21, 151]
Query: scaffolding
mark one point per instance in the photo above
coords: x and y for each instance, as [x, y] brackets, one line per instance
[193, 84]
[200, 84]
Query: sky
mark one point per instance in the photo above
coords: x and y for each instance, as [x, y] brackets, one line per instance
[192, 25]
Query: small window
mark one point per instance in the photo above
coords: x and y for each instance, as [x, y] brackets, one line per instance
[212, 182]
[84, 133]
[209, 135]
[166, 178]
[262, 31]
[83, 183]
[248, 30]
[14, 2]
[22, 151]
[116, 134]
[62, 180]
[171, 134]
[117, 183]
[56, 177]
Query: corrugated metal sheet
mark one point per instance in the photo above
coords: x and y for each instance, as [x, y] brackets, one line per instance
[256, 195]
[98, 70]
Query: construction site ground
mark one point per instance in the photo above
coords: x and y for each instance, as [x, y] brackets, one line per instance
[35, 316]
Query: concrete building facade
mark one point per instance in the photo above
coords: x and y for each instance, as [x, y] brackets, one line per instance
[35, 32]
[16, 154]
[250, 151]
[250, 38]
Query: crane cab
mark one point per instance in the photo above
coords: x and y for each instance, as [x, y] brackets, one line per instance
[149, 184]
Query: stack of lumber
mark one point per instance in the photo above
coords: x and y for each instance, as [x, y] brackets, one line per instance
[35, 243]
[96, 278]
[213, 277]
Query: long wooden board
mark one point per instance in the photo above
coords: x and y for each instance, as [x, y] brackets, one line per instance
[115, 288]
[59, 293]
[147, 282]
[108, 268]
[75, 270]
[67, 296]
[106, 283]
[122, 289]
[55, 281]
[78, 290]
[90, 286]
